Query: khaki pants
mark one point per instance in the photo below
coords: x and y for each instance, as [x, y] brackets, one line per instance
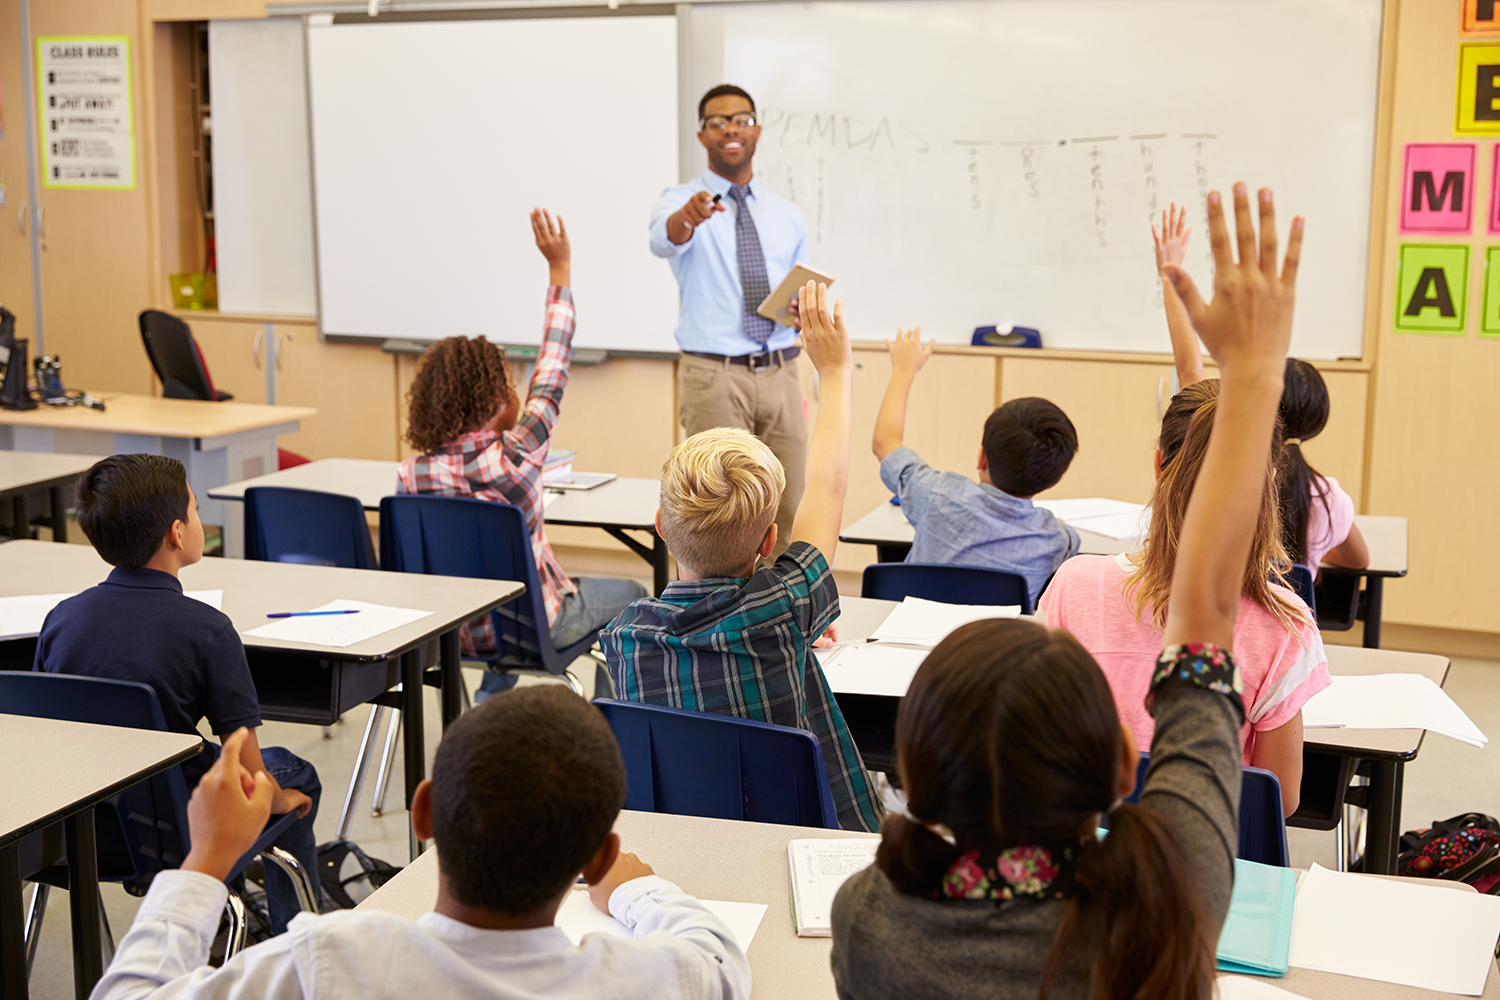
[768, 403]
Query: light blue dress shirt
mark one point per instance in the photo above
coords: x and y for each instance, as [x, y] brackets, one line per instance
[964, 523]
[712, 320]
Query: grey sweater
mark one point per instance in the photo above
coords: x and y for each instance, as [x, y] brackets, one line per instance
[890, 945]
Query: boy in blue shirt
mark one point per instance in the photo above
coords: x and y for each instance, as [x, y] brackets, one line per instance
[139, 626]
[1028, 445]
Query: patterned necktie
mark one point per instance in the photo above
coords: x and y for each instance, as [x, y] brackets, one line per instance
[753, 277]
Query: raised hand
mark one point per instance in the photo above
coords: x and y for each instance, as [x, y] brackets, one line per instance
[1248, 325]
[552, 240]
[227, 812]
[908, 353]
[1172, 239]
[824, 336]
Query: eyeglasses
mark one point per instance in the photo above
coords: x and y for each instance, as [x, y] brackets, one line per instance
[719, 123]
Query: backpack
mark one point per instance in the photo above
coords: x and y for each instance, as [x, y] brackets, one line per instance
[348, 874]
[1462, 849]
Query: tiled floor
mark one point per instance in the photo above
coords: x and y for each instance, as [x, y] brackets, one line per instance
[1447, 778]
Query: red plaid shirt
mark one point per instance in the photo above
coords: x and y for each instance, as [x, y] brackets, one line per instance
[508, 468]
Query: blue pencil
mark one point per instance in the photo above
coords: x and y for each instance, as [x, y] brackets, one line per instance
[309, 614]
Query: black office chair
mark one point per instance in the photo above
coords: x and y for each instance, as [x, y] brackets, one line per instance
[177, 359]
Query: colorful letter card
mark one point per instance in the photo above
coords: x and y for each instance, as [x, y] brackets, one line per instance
[1478, 110]
[1431, 288]
[1481, 18]
[1489, 322]
[1437, 188]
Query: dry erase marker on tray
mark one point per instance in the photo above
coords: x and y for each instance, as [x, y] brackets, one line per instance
[309, 614]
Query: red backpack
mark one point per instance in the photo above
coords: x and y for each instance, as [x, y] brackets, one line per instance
[1462, 849]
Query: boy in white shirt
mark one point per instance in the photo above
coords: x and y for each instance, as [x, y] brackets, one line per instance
[525, 790]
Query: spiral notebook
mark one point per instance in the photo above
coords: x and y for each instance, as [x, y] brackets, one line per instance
[1257, 935]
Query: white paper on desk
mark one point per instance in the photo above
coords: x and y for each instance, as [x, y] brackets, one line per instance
[339, 630]
[926, 623]
[22, 617]
[1247, 988]
[1390, 701]
[549, 498]
[579, 916]
[1122, 526]
[870, 668]
[213, 598]
[1427, 936]
[1073, 510]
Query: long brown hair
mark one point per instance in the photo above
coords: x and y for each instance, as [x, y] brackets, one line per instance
[461, 384]
[1185, 430]
[1009, 736]
[1304, 414]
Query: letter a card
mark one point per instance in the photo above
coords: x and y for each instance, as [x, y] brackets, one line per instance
[1437, 188]
[1489, 321]
[1432, 287]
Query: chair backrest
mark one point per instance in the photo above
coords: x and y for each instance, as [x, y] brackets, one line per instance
[1262, 825]
[306, 526]
[1301, 580]
[461, 536]
[948, 584]
[700, 764]
[175, 356]
[143, 829]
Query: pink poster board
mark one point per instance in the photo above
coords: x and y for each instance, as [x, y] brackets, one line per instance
[1437, 188]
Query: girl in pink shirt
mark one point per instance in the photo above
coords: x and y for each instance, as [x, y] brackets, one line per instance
[1116, 606]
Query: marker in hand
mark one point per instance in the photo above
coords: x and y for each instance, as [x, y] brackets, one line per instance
[309, 614]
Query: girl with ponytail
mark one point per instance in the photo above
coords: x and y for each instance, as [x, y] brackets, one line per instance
[994, 883]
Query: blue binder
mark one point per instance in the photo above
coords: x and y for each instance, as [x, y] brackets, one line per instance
[1257, 935]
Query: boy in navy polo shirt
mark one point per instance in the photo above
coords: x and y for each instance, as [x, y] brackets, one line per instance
[138, 626]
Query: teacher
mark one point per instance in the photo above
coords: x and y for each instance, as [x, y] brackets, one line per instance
[737, 368]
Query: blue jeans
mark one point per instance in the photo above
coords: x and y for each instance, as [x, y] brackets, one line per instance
[291, 771]
[598, 602]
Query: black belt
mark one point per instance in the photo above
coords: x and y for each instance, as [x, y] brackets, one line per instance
[755, 362]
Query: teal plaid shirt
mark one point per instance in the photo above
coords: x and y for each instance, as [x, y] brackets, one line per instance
[744, 648]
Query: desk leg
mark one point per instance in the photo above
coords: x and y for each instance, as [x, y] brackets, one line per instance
[893, 553]
[450, 655]
[12, 925]
[1374, 598]
[20, 517]
[59, 516]
[413, 737]
[83, 901]
[1383, 824]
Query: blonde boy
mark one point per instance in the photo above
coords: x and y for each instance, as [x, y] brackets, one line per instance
[727, 638]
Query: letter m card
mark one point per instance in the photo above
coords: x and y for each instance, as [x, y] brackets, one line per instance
[1437, 188]
[1432, 289]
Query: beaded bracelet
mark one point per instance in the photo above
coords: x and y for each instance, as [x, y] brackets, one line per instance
[1203, 664]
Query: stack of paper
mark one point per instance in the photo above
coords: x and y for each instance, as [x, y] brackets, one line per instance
[579, 916]
[339, 630]
[23, 617]
[1111, 518]
[1432, 937]
[868, 668]
[1389, 701]
[916, 622]
[818, 868]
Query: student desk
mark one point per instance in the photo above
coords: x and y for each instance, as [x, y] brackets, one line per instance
[746, 862]
[300, 682]
[872, 723]
[618, 506]
[887, 529]
[1386, 538]
[56, 772]
[23, 472]
[217, 442]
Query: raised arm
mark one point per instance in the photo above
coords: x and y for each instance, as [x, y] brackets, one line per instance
[908, 355]
[826, 342]
[1171, 249]
[549, 377]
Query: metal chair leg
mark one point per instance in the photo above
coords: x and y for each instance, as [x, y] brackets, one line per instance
[35, 911]
[109, 935]
[573, 682]
[239, 928]
[357, 779]
[307, 896]
[387, 764]
[1341, 844]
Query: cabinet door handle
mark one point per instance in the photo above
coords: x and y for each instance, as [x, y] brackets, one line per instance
[255, 347]
[289, 335]
[21, 217]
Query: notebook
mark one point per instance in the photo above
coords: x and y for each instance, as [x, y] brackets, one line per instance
[818, 868]
[1257, 935]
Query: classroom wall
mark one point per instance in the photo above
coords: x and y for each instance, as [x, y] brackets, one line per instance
[1409, 432]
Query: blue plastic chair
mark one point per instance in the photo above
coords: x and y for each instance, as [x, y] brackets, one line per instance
[461, 536]
[1300, 578]
[1262, 825]
[144, 829]
[702, 764]
[306, 526]
[948, 584]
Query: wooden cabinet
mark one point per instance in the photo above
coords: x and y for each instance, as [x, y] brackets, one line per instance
[234, 350]
[15, 243]
[352, 386]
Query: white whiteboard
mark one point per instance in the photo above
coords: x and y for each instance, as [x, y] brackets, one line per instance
[432, 141]
[262, 190]
[941, 150]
